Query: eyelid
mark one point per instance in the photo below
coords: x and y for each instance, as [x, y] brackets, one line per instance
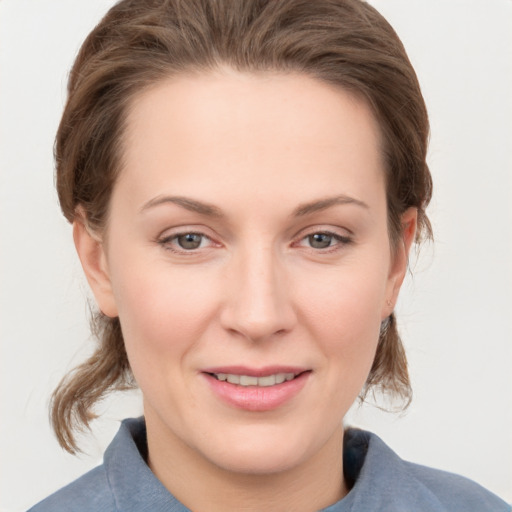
[338, 231]
[342, 239]
[166, 238]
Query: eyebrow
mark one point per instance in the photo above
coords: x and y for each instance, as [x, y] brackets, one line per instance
[328, 202]
[210, 210]
[189, 204]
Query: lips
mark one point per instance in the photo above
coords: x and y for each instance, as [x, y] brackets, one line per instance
[251, 380]
[256, 389]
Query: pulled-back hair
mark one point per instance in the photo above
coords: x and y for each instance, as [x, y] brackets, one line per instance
[140, 42]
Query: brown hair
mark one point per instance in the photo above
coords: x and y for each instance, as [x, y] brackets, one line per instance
[139, 42]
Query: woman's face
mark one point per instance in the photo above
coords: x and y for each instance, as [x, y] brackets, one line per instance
[248, 258]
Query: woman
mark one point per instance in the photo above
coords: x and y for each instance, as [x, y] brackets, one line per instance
[245, 181]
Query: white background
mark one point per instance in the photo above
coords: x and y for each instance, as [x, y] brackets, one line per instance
[455, 313]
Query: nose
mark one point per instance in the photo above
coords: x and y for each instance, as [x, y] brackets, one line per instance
[258, 302]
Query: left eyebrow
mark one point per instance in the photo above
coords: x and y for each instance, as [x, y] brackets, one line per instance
[328, 202]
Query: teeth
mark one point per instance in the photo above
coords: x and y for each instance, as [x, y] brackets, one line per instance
[246, 380]
[233, 379]
[249, 380]
[267, 381]
[280, 378]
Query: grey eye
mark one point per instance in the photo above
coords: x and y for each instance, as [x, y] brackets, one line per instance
[189, 241]
[320, 240]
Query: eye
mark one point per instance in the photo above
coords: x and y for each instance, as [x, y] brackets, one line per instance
[185, 242]
[189, 241]
[320, 240]
[324, 240]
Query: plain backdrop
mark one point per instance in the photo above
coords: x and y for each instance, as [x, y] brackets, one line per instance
[455, 314]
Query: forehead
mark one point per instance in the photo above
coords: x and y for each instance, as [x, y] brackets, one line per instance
[250, 130]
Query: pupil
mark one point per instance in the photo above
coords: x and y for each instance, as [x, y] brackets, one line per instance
[320, 240]
[189, 241]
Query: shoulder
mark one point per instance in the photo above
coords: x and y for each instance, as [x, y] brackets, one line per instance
[455, 492]
[123, 482]
[383, 481]
[89, 492]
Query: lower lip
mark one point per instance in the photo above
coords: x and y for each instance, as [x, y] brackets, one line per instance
[257, 398]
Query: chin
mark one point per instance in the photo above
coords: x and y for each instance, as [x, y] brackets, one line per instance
[263, 452]
[257, 462]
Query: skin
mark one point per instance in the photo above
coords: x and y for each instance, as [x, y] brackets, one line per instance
[265, 152]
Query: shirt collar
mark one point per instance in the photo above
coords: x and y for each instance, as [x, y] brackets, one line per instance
[382, 480]
[134, 486]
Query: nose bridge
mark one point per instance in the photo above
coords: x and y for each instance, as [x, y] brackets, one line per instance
[258, 303]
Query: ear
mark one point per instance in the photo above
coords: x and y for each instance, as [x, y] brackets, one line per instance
[92, 255]
[400, 259]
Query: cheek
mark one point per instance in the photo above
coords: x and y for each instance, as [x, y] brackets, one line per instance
[162, 310]
[343, 312]
[346, 299]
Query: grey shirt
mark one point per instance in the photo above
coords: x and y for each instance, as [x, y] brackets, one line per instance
[379, 480]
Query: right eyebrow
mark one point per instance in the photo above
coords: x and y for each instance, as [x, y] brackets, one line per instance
[192, 205]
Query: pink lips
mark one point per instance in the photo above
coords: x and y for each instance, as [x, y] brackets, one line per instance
[256, 398]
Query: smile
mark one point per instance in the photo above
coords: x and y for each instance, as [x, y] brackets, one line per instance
[251, 380]
[256, 390]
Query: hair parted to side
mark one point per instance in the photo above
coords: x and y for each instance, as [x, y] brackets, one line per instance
[139, 42]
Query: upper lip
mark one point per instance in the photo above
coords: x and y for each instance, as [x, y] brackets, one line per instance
[256, 372]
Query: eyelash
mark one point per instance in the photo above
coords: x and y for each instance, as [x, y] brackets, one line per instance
[170, 242]
[340, 241]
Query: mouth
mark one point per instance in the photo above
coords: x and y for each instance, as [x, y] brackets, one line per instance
[253, 380]
[257, 390]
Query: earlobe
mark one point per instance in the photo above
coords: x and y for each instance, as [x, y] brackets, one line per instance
[92, 256]
[400, 259]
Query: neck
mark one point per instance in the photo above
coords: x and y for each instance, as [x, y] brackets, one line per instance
[203, 486]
